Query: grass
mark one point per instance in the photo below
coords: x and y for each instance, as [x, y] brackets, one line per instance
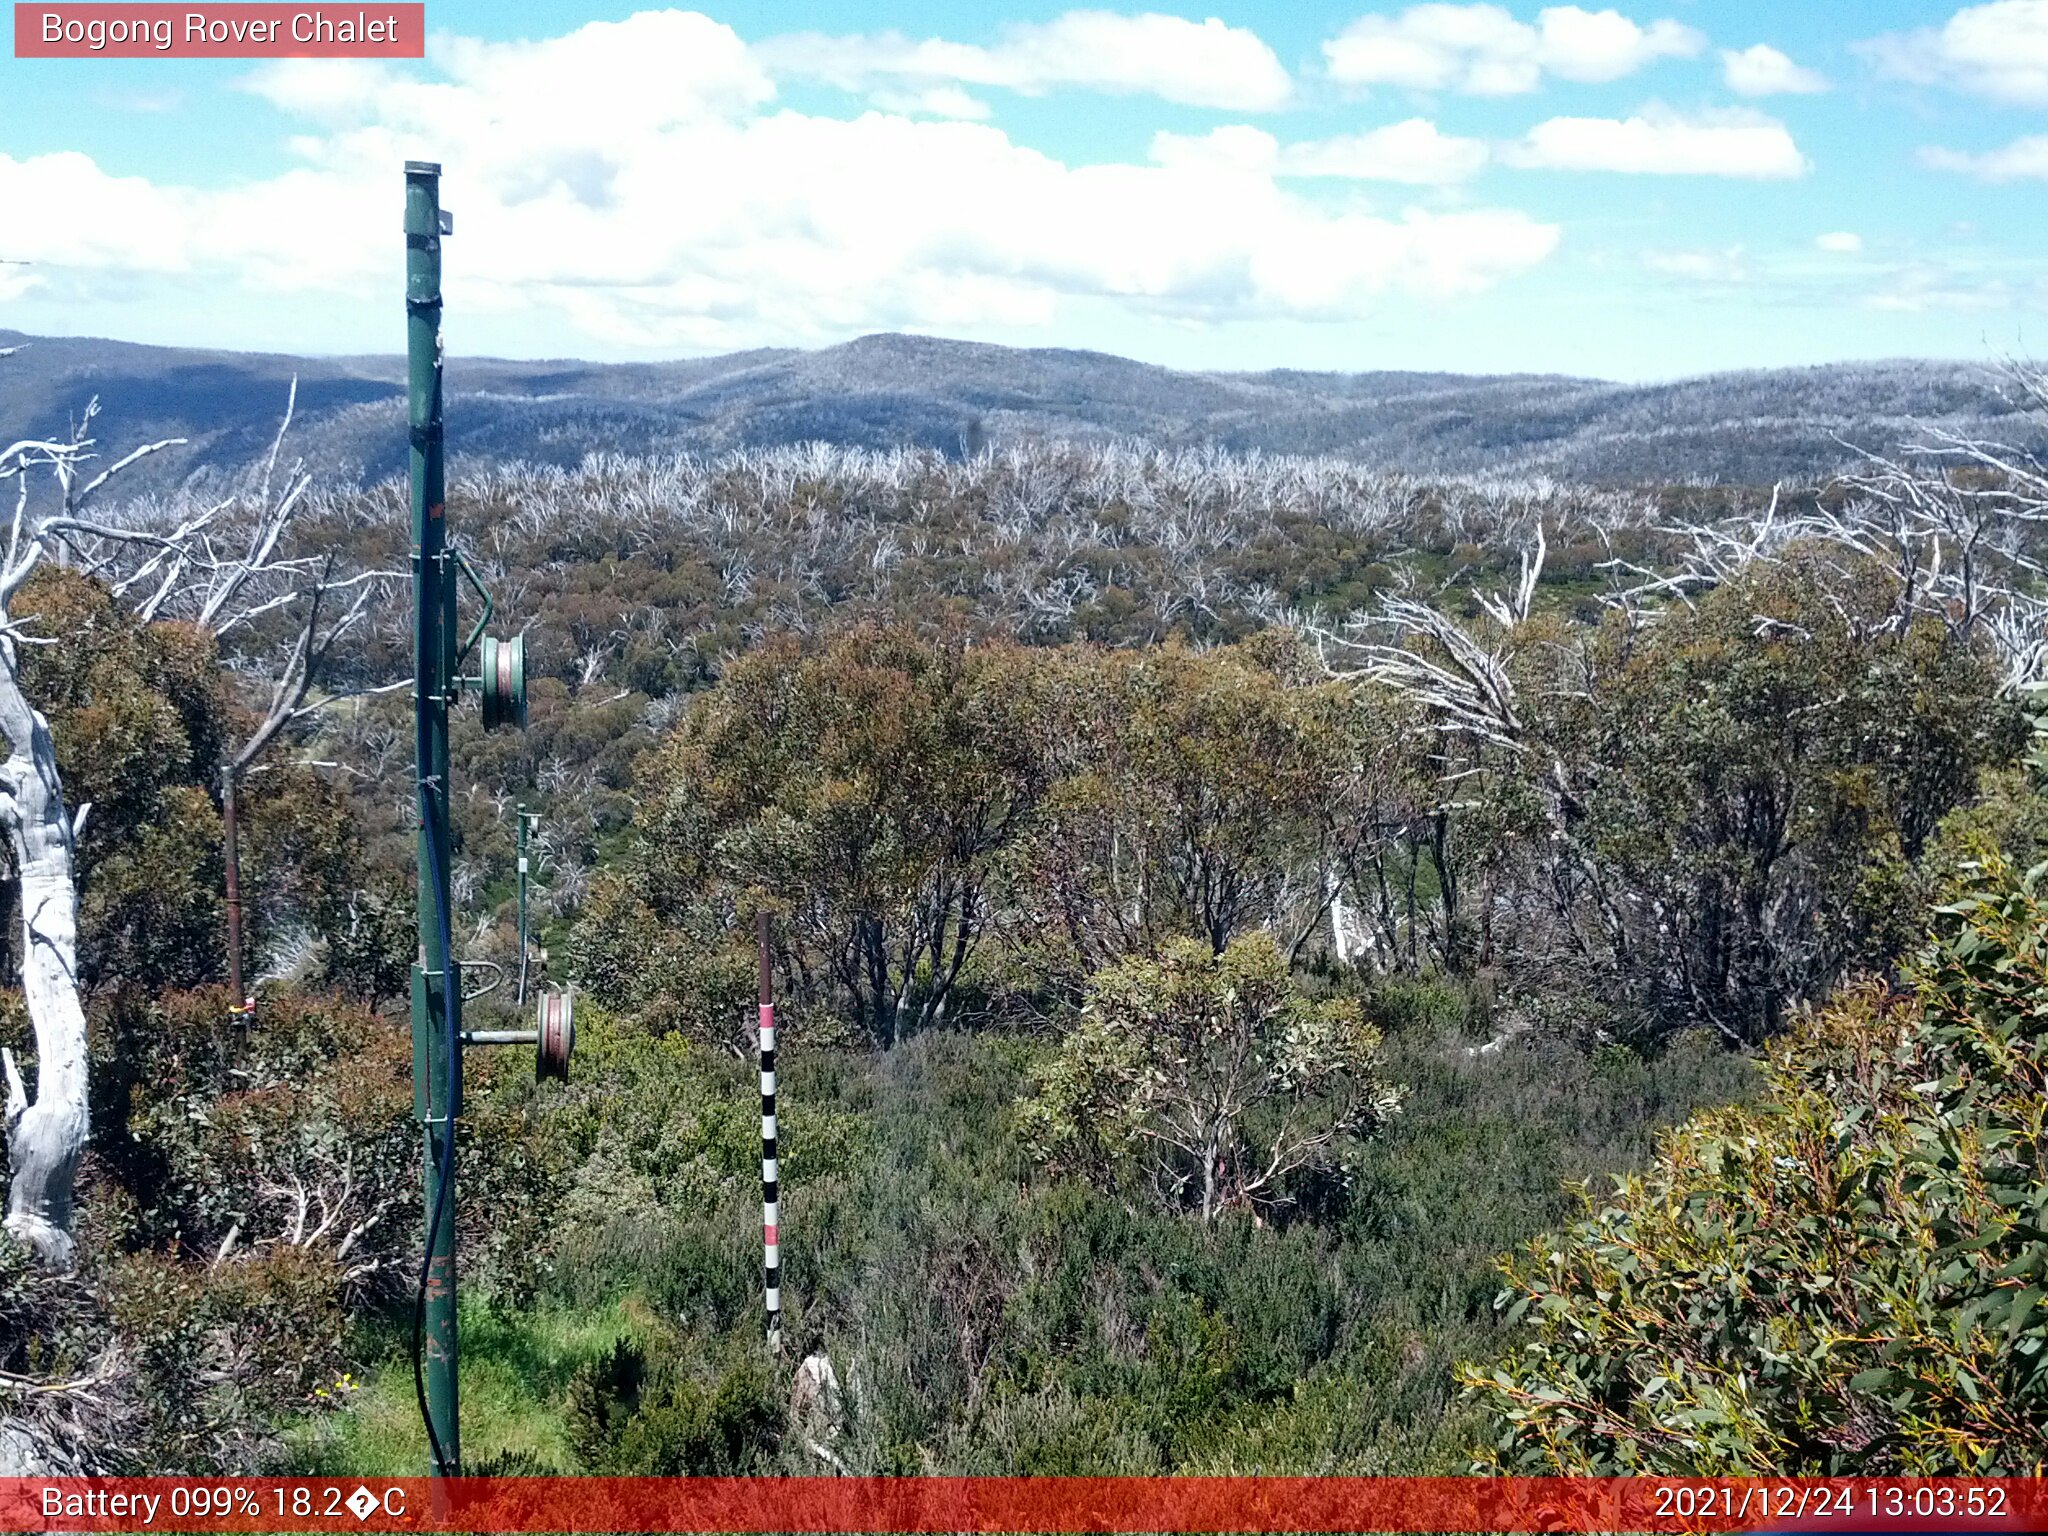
[516, 1368]
[989, 1320]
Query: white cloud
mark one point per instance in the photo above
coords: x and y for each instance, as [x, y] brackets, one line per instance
[1201, 64]
[703, 215]
[1724, 266]
[2022, 160]
[1839, 242]
[1594, 46]
[934, 101]
[1998, 50]
[1928, 287]
[1234, 147]
[1415, 152]
[1764, 71]
[1730, 142]
[1483, 51]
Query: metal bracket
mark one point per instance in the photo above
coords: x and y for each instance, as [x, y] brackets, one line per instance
[500, 1036]
[476, 585]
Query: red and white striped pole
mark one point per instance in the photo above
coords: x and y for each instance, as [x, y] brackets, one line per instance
[771, 1246]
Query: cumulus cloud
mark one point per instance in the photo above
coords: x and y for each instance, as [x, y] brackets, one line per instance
[1765, 71]
[1839, 242]
[1482, 50]
[1236, 147]
[1415, 152]
[1659, 142]
[1196, 63]
[2022, 160]
[706, 215]
[1998, 50]
[1412, 151]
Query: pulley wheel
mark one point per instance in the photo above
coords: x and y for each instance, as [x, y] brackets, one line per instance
[557, 1035]
[504, 682]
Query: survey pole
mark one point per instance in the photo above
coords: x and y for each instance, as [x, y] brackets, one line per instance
[436, 990]
[771, 1204]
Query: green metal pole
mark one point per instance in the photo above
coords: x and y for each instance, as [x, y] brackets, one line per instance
[436, 991]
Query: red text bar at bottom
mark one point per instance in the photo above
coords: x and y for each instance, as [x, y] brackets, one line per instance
[1021, 1504]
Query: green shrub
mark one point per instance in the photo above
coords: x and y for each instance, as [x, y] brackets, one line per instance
[1209, 1077]
[1846, 1279]
[628, 1416]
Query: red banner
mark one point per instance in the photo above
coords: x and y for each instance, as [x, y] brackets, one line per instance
[104, 31]
[1018, 1504]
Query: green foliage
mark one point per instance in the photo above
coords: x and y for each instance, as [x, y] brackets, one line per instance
[293, 1130]
[302, 875]
[141, 716]
[220, 1357]
[1713, 818]
[1750, 783]
[371, 942]
[137, 714]
[1191, 792]
[517, 1363]
[156, 1365]
[987, 1317]
[1846, 1279]
[951, 831]
[655, 1124]
[628, 1417]
[864, 790]
[1213, 1075]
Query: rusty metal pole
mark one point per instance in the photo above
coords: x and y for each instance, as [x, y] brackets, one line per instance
[232, 854]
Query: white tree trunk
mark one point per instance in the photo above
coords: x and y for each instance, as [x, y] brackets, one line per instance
[44, 1138]
[1340, 936]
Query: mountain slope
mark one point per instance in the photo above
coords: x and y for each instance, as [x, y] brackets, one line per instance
[891, 390]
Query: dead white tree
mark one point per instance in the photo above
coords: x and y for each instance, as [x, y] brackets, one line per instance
[46, 1134]
[216, 564]
[1460, 680]
[225, 566]
[1958, 523]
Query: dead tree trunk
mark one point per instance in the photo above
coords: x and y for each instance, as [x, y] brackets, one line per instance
[45, 1136]
[182, 572]
[232, 862]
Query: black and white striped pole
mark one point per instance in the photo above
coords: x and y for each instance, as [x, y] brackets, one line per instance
[771, 1234]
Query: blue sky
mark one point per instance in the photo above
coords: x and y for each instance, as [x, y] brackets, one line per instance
[1657, 190]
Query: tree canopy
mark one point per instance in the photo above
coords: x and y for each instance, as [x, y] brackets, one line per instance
[1209, 1075]
[1847, 1278]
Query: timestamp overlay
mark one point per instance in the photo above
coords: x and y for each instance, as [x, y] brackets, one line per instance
[1019, 1504]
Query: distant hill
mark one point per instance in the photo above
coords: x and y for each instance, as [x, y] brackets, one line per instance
[891, 390]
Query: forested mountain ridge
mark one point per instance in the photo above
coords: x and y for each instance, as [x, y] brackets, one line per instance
[892, 390]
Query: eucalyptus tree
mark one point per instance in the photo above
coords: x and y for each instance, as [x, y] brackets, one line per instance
[1715, 795]
[46, 1134]
[867, 787]
[217, 566]
[1209, 1076]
